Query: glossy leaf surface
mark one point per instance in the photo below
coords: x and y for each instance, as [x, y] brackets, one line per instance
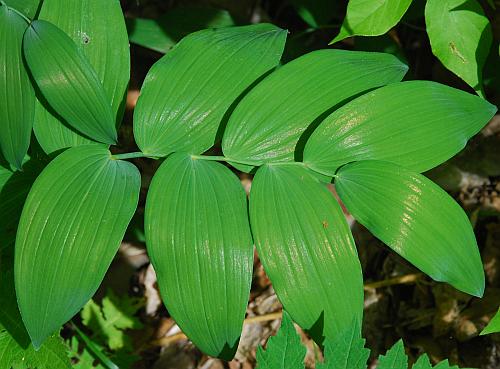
[27, 7]
[416, 218]
[493, 326]
[371, 17]
[377, 126]
[460, 37]
[71, 226]
[161, 34]
[16, 93]
[264, 129]
[306, 248]
[68, 81]
[199, 241]
[188, 91]
[102, 38]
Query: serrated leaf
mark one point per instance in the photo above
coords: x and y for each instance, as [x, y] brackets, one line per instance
[16, 92]
[445, 365]
[70, 229]
[371, 17]
[307, 249]
[27, 7]
[375, 127]
[416, 218]
[82, 357]
[423, 362]
[161, 34]
[102, 38]
[493, 326]
[109, 323]
[187, 93]
[460, 37]
[285, 350]
[68, 81]
[199, 242]
[345, 351]
[395, 358]
[263, 129]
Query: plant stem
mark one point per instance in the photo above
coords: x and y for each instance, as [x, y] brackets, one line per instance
[132, 155]
[17, 12]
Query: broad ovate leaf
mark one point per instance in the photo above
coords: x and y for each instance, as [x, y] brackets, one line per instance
[102, 38]
[371, 17]
[416, 218]
[307, 249]
[460, 36]
[199, 241]
[68, 82]
[187, 93]
[16, 93]
[415, 124]
[27, 7]
[70, 229]
[269, 121]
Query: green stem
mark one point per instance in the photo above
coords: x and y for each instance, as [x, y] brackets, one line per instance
[132, 155]
[17, 12]
[227, 160]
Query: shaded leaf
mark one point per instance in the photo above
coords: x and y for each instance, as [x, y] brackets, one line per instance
[284, 350]
[188, 91]
[264, 130]
[161, 34]
[82, 357]
[102, 38]
[68, 81]
[307, 249]
[316, 13]
[199, 242]
[416, 218]
[493, 326]
[70, 229]
[27, 7]
[16, 93]
[371, 17]
[375, 126]
[460, 37]
[395, 358]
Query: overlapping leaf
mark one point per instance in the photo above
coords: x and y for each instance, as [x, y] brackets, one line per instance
[71, 226]
[416, 218]
[27, 7]
[268, 123]
[199, 241]
[102, 38]
[187, 93]
[416, 124]
[460, 36]
[345, 351]
[493, 326]
[16, 92]
[306, 248]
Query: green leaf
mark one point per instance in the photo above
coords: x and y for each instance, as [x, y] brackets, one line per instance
[16, 93]
[316, 13]
[187, 93]
[371, 18]
[27, 7]
[102, 38]
[307, 249]
[493, 326]
[284, 350]
[375, 126]
[199, 242]
[70, 229]
[163, 33]
[345, 351]
[395, 358]
[264, 129]
[82, 357]
[68, 81]
[109, 323]
[423, 362]
[416, 218]
[460, 37]
[445, 365]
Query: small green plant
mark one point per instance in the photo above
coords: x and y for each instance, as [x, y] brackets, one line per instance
[330, 115]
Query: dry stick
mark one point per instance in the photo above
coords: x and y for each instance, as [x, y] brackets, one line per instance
[405, 279]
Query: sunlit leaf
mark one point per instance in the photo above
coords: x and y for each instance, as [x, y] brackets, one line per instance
[377, 126]
[493, 326]
[395, 358]
[416, 218]
[71, 226]
[187, 93]
[199, 241]
[371, 17]
[306, 248]
[16, 92]
[268, 123]
[460, 36]
[68, 81]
